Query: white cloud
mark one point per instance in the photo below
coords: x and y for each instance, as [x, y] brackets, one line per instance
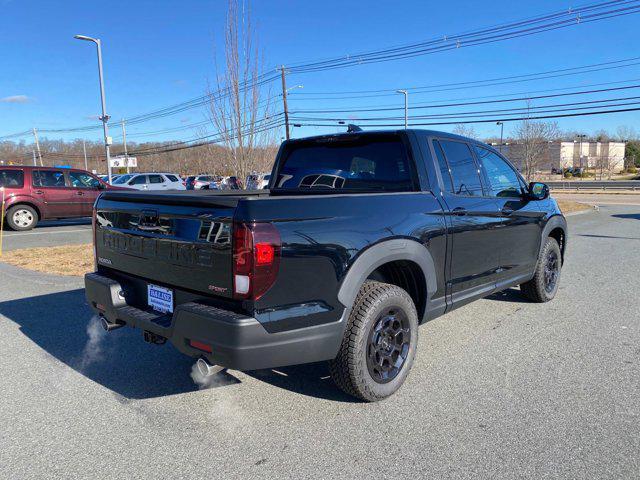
[15, 99]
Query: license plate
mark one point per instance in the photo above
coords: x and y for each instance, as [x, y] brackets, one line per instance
[160, 298]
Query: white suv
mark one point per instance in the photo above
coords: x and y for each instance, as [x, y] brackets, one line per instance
[151, 181]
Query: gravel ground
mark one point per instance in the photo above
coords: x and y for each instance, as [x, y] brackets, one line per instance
[501, 388]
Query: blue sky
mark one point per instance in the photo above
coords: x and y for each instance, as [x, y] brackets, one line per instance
[158, 53]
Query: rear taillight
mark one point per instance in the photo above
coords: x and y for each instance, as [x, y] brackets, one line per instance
[256, 258]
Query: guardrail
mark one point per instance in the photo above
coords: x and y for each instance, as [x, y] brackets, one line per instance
[595, 185]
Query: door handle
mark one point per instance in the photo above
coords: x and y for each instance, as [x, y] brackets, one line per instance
[507, 211]
[80, 193]
[39, 192]
[459, 211]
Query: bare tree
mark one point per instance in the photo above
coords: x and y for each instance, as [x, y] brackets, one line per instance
[533, 138]
[465, 130]
[625, 132]
[240, 108]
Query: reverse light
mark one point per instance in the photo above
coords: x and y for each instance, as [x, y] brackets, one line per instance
[256, 259]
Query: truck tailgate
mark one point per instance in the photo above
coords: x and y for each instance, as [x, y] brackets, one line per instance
[173, 240]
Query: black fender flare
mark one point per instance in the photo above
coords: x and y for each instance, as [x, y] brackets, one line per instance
[556, 221]
[384, 252]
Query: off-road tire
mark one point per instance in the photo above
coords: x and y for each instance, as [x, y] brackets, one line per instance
[537, 289]
[349, 370]
[28, 213]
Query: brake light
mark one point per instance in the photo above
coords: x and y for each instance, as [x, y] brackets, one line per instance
[256, 259]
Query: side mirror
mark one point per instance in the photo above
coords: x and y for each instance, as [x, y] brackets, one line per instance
[538, 191]
[101, 186]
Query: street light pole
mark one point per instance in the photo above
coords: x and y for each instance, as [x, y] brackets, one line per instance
[104, 117]
[581, 136]
[501, 132]
[406, 107]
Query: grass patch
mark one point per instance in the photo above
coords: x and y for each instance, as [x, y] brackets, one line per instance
[569, 206]
[65, 260]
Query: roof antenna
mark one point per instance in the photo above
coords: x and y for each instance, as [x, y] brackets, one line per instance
[351, 128]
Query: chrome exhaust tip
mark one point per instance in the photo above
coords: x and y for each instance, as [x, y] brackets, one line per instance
[107, 326]
[206, 369]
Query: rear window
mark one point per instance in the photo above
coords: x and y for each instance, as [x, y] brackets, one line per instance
[377, 163]
[172, 178]
[11, 178]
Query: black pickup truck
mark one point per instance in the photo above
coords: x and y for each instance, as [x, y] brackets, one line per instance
[359, 238]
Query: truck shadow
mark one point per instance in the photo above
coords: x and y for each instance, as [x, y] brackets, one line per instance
[311, 379]
[120, 361]
[61, 324]
[513, 295]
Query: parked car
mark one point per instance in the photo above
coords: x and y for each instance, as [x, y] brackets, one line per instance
[151, 181]
[105, 178]
[226, 183]
[43, 193]
[411, 224]
[200, 182]
[257, 181]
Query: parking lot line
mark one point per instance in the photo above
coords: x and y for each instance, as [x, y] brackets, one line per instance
[11, 234]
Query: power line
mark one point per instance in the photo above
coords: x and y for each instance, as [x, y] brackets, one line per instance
[554, 21]
[483, 102]
[490, 120]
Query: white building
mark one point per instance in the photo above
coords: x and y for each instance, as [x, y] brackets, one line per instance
[557, 155]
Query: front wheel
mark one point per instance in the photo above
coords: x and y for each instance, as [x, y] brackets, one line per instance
[544, 284]
[379, 344]
[22, 217]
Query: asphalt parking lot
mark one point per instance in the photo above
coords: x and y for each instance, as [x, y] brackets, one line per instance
[501, 388]
[50, 233]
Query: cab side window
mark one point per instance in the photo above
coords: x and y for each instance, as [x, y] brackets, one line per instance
[503, 180]
[464, 172]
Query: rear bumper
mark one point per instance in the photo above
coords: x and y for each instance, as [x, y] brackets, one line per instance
[238, 342]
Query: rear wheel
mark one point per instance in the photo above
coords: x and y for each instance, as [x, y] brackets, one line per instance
[544, 284]
[379, 343]
[22, 217]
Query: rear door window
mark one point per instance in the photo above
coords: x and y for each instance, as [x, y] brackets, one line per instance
[11, 178]
[48, 178]
[443, 167]
[156, 179]
[379, 163]
[463, 168]
[139, 180]
[172, 178]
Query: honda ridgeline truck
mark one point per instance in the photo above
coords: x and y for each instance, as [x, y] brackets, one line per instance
[359, 238]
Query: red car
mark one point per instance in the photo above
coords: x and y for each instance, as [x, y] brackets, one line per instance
[42, 193]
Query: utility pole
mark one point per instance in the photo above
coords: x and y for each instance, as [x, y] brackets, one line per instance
[284, 101]
[104, 117]
[501, 133]
[35, 136]
[35, 162]
[84, 150]
[406, 107]
[124, 141]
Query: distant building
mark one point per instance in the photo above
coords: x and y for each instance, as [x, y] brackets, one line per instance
[559, 155]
